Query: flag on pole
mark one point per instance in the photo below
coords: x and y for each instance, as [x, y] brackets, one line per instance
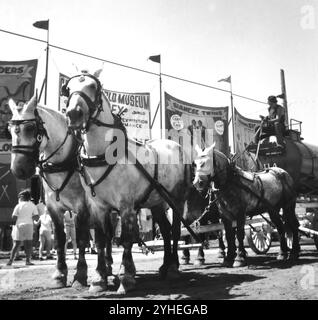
[228, 79]
[43, 24]
[156, 58]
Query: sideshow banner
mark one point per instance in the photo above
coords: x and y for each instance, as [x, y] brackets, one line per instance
[8, 188]
[244, 131]
[134, 110]
[204, 125]
[17, 81]
[62, 100]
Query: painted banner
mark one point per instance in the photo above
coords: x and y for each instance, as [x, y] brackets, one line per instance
[133, 108]
[62, 99]
[204, 125]
[17, 80]
[244, 131]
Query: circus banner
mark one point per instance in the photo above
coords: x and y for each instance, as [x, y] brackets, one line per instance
[134, 110]
[244, 131]
[17, 80]
[62, 99]
[204, 125]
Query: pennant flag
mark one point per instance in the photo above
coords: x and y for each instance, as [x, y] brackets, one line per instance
[44, 24]
[281, 96]
[155, 58]
[228, 79]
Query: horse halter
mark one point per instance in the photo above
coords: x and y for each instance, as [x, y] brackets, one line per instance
[93, 106]
[34, 149]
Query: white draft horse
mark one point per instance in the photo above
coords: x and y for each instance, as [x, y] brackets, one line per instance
[39, 130]
[240, 193]
[112, 179]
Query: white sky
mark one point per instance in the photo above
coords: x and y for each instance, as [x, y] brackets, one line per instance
[200, 40]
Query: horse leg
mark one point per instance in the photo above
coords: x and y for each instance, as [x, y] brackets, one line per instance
[99, 282]
[129, 235]
[289, 215]
[185, 259]
[231, 247]
[159, 216]
[173, 271]
[82, 235]
[199, 261]
[276, 219]
[60, 274]
[221, 252]
[240, 259]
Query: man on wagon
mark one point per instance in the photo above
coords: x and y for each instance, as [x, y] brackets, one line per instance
[274, 123]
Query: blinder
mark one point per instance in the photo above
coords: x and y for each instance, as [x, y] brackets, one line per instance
[32, 150]
[92, 105]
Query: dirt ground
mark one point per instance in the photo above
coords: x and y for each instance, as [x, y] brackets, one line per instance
[264, 278]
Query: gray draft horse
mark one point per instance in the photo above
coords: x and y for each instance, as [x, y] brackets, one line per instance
[37, 129]
[239, 193]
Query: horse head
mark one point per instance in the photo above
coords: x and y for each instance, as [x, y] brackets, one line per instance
[84, 102]
[204, 168]
[28, 135]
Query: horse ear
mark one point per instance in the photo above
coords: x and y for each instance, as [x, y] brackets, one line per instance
[97, 73]
[32, 104]
[12, 105]
[198, 149]
[209, 150]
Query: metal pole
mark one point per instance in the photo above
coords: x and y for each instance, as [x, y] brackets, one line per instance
[232, 112]
[47, 64]
[160, 100]
[283, 87]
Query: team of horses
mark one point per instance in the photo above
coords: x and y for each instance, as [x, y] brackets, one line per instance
[90, 165]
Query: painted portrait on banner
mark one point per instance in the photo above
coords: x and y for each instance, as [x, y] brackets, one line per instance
[17, 81]
[198, 125]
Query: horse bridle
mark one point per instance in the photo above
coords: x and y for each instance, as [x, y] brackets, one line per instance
[40, 132]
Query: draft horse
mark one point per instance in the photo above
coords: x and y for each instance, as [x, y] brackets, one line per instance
[40, 138]
[239, 193]
[127, 175]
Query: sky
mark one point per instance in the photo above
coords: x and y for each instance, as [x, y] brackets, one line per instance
[199, 40]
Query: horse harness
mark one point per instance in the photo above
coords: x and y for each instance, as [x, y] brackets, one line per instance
[43, 164]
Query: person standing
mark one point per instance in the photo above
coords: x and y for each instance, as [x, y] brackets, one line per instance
[24, 213]
[46, 228]
[70, 230]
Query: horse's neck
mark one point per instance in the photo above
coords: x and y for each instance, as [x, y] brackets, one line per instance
[56, 128]
[222, 168]
[97, 138]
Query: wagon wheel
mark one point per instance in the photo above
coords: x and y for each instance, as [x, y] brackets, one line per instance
[260, 238]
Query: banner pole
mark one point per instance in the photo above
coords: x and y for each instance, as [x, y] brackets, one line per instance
[232, 112]
[47, 65]
[160, 101]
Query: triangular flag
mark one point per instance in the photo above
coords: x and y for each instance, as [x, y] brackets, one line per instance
[228, 79]
[43, 24]
[155, 58]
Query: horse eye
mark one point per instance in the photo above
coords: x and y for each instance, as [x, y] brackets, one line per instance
[202, 165]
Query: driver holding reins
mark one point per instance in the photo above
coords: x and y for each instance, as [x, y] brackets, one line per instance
[274, 123]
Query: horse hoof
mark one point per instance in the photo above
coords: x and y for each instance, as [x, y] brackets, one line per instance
[227, 263]
[173, 273]
[185, 261]
[96, 288]
[282, 256]
[163, 270]
[59, 280]
[293, 256]
[128, 283]
[199, 262]
[239, 263]
[79, 285]
[116, 281]
[221, 255]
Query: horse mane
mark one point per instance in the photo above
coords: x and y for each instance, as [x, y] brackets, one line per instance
[222, 168]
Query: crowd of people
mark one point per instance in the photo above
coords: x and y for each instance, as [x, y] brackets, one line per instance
[33, 228]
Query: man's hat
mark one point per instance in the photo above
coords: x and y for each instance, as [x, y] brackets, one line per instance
[272, 99]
